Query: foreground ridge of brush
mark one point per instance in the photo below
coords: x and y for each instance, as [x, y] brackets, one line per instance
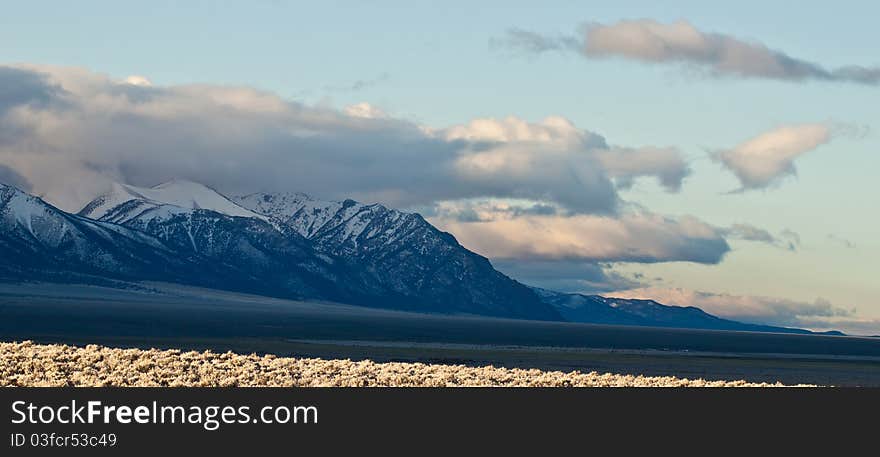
[27, 364]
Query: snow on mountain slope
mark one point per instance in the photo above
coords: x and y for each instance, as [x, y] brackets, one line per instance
[188, 246]
[299, 211]
[124, 202]
[345, 222]
[49, 225]
[402, 254]
[349, 228]
[37, 236]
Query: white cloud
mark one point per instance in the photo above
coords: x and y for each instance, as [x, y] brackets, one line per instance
[552, 130]
[717, 54]
[762, 161]
[365, 110]
[137, 80]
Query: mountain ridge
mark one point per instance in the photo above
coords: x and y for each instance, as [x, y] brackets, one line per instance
[292, 245]
[399, 250]
[598, 309]
[408, 264]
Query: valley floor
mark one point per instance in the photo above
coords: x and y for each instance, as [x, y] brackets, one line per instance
[188, 319]
[30, 364]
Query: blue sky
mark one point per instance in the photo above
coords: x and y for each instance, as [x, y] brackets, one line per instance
[434, 65]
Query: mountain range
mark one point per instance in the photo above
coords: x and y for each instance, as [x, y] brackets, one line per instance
[291, 245]
[596, 309]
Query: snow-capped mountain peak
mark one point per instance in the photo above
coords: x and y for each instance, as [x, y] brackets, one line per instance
[20, 208]
[124, 202]
[305, 214]
[344, 223]
[35, 234]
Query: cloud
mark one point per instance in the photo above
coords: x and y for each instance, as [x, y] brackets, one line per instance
[764, 160]
[486, 210]
[786, 239]
[360, 84]
[836, 239]
[542, 245]
[749, 233]
[137, 80]
[716, 54]
[20, 87]
[819, 315]
[628, 237]
[66, 130]
[627, 164]
[528, 42]
[365, 110]
[567, 275]
[561, 149]
[12, 178]
[791, 237]
[530, 231]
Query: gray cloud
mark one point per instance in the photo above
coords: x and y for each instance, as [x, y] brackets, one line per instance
[841, 241]
[628, 164]
[716, 54]
[749, 233]
[24, 89]
[786, 239]
[856, 73]
[528, 42]
[75, 128]
[792, 237]
[12, 178]
[360, 84]
[21, 87]
[567, 276]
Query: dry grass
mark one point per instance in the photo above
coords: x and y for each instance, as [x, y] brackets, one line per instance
[30, 364]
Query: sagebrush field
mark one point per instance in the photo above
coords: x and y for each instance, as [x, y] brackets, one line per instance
[30, 364]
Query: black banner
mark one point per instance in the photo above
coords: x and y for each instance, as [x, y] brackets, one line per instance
[416, 421]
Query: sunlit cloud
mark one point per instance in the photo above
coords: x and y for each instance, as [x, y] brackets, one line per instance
[764, 160]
